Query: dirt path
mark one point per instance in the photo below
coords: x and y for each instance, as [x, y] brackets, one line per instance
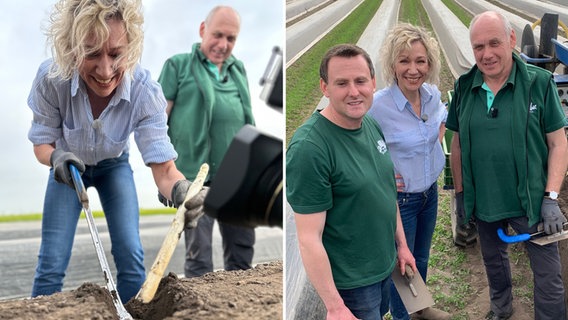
[241, 295]
[477, 300]
[478, 304]
[258, 293]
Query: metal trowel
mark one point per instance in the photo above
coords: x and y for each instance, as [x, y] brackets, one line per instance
[550, 238]
[412, 290]
[540, 237]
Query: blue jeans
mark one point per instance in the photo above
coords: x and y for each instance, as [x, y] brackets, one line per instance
[369, 302]
[418, 212]
[115, 185]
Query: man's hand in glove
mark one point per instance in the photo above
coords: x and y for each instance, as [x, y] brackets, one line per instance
[60, 161]
[552, 217]
[460, 211]
[194, 206]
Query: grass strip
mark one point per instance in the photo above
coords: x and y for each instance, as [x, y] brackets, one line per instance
[302, 77]
[96, 214]
[464, 16]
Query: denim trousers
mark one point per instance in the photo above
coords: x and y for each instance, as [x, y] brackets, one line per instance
[418, 212]
[114, 183]
[368, 302]
[545, 264]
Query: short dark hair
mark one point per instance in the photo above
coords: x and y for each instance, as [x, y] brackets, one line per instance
[345, 51]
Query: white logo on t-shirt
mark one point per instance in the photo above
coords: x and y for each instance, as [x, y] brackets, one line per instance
[532, 107]
[381, 146]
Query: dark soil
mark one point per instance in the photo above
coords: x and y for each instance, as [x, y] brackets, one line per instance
[253, 294]
[249, 294]
[523, 306]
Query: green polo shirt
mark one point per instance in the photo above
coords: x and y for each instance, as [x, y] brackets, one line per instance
[492, 153]
[209, 108]
[504, 159]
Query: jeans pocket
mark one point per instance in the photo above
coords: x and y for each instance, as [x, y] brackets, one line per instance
[402, 201]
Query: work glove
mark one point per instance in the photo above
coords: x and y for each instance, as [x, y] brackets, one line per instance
[60, 161]
[460, 211]
[164, 200]
[194, 207]
[552, 217]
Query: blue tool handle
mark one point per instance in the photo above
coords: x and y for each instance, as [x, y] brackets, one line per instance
[76, 176]
[513, 239]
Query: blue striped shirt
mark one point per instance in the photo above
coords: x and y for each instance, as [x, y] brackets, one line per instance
[62, 114]
[413, 144]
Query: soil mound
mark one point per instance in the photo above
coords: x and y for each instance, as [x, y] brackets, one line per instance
[247, 294]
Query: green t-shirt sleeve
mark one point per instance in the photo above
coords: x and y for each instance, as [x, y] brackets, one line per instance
[554, 114]
[308, 187]
[168, 79]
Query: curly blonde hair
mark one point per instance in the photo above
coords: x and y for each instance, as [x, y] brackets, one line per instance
[72, 22]
[399, 39]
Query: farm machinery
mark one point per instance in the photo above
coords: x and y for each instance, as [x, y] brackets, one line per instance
[550, 54]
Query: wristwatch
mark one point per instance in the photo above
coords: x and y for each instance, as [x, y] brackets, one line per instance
[552, 195]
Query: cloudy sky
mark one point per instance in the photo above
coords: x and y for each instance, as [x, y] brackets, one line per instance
[171, 26]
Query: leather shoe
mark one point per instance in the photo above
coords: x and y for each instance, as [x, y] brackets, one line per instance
[431, 313]
[492, 316]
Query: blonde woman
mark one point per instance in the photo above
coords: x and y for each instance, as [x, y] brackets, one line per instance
[86, 102]
[412, 117]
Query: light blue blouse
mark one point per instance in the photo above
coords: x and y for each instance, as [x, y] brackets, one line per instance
[413, 141]
[62, 114]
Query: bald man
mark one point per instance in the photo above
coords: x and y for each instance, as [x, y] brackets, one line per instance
[208, 103]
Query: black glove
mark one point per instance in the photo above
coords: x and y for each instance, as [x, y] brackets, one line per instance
[178, 194]
[179, 191]
[194, 207]
[60, 161]
[164, 200]
[552, 217]
[460, 211]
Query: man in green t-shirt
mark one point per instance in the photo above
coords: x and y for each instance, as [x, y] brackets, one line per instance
[340, 184]
[208, 103]
[508, 160]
